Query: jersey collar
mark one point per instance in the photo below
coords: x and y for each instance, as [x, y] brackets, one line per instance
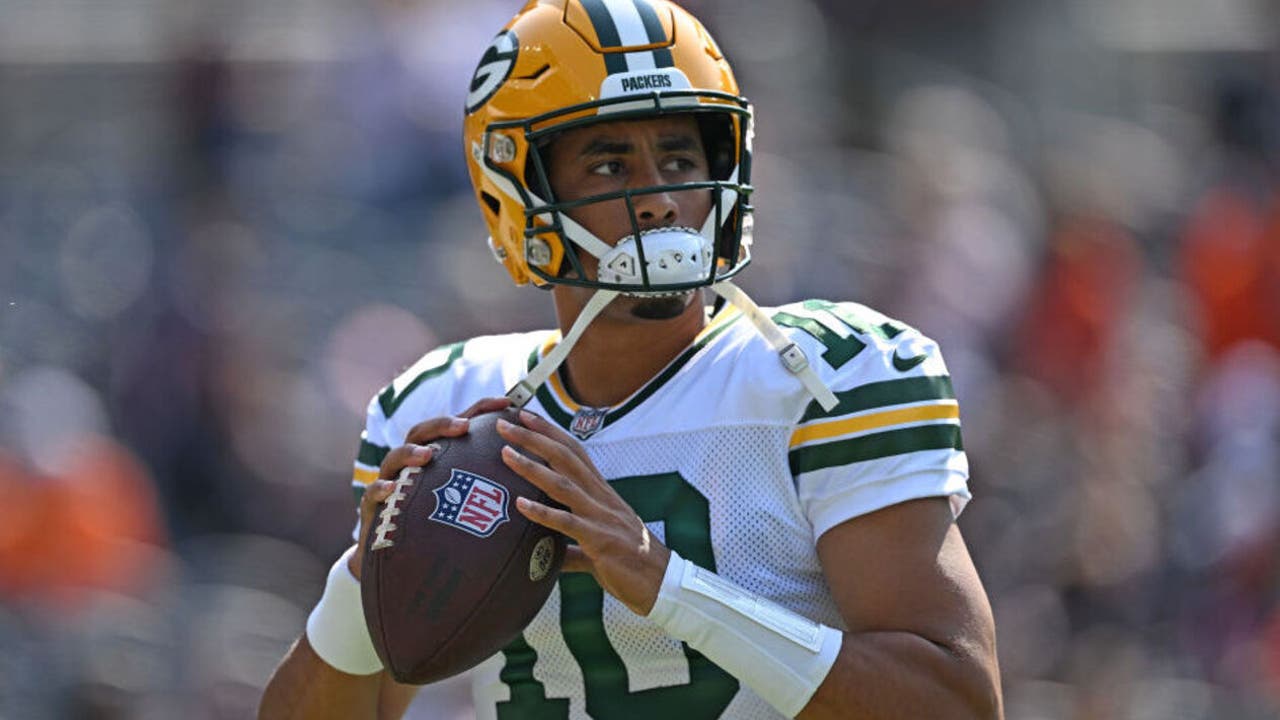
[562, 409]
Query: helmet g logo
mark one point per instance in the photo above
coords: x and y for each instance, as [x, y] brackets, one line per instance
[496, 65]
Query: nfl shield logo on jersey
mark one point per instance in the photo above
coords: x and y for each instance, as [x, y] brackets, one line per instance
[470, 503]
[587, 421]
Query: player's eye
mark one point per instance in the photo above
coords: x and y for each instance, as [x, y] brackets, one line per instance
[608, 168]
[680, 164]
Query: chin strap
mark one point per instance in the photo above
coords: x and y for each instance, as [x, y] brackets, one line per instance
[793, 358]
[523, 391]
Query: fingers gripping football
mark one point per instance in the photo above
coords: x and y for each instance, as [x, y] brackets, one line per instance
[416, 452]
[379, 490]
[613, 543]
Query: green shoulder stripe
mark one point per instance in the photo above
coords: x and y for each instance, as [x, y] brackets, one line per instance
[881, 394]
[434, 363]
[875, 446]
[371, 454]
[548, 402]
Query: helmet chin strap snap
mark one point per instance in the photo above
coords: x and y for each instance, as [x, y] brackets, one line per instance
[792, 357]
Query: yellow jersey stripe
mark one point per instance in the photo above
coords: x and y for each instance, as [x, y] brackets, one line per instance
[946, 410]
[549, 343]
[364, 477]
[556, 386]
[562, 395]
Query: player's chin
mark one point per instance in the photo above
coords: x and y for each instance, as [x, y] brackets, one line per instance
[666, 307]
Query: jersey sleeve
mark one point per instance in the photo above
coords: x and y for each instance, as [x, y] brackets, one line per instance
[374, 446]
[381, 431]
[445, 381]
[894, 434]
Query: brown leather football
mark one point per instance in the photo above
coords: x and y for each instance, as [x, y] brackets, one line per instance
[452, 571]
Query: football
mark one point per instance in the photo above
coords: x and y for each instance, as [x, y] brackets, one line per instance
[452, 571]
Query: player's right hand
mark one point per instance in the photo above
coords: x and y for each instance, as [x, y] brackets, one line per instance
[416, 452]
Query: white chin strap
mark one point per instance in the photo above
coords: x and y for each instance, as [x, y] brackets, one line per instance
[673, 255]
[694, 252]
[793, 358]
[523, 391]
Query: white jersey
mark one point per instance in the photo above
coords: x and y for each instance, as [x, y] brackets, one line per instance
[730, 462]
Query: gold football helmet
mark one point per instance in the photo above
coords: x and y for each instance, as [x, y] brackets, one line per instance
[560, 64]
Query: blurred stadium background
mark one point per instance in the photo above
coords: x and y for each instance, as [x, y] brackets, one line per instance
[224, 225]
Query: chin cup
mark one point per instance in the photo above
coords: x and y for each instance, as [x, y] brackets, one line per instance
[672, 256]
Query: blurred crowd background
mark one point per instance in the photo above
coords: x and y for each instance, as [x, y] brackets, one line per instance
[225, 225]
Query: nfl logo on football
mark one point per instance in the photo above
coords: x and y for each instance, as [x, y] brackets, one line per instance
[471, 503]
[587, 421]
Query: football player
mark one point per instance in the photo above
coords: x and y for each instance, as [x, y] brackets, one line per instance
[762, 501]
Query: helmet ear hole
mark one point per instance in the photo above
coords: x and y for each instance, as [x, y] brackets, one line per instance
[719, 141]
[490, 202]
[536, 173]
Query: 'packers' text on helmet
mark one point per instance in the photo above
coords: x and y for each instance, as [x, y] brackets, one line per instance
[562, 64]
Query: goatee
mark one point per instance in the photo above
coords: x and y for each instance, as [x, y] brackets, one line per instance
[660, 308]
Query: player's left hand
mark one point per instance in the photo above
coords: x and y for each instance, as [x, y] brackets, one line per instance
[613, 543]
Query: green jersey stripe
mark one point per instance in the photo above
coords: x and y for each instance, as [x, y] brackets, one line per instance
[371, 454]
[552, 406]
[882, 394]
[391, 401]
[875, 446]
[526, 690]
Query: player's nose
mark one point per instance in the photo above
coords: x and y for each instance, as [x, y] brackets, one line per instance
[655, 208]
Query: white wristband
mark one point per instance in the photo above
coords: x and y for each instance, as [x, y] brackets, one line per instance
[336, 628]
[780, 655]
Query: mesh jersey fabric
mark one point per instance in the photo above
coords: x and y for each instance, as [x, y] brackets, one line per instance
[729, 461]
